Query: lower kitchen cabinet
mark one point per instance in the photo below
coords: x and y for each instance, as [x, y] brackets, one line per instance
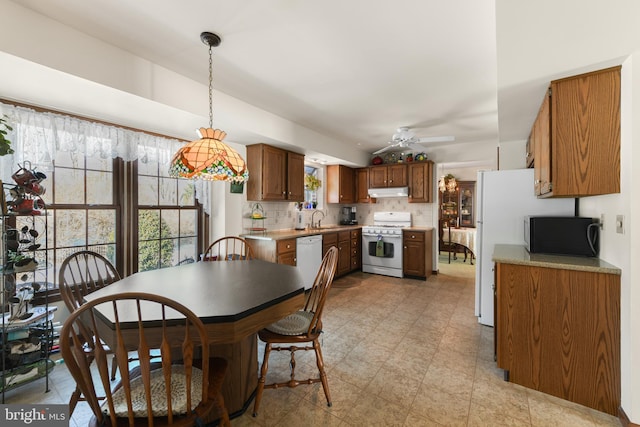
[417, 257]
[287, 251]
[344, 253]
[356, 250]
[349, 246]
[281, 251]
[558, 331]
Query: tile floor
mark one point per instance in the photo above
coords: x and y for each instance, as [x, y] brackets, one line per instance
[398, 352]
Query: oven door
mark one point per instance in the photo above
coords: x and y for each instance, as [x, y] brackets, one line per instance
[382, 254]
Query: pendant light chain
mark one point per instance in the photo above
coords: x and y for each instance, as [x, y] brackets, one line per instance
[210, 89]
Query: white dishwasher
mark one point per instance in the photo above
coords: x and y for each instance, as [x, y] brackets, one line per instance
[309, 257]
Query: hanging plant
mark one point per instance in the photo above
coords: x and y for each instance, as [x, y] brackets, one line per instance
[311, 182]
[5, 144]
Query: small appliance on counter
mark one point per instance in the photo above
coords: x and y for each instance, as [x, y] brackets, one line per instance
[299, 220]
[564, 235]
[348, 216]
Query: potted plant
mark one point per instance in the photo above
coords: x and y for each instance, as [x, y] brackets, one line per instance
[311, 182]
[5, 144]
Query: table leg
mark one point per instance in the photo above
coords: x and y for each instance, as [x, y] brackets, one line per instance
[242, 377]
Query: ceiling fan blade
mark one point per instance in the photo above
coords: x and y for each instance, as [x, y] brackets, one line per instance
[437, 139]
[387, 148]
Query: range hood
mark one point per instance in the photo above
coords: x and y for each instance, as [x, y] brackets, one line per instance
[389, 192]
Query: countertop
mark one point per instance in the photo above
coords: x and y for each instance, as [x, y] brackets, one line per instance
[518, 254]
[291, 233]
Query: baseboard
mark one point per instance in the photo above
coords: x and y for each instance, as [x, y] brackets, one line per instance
[624, 420]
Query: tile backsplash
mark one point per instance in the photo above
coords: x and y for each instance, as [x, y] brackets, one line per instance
[282, 215]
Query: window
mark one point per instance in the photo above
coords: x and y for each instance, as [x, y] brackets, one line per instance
[312, 185]
[83, 207]
[167, 221]
[107, 190]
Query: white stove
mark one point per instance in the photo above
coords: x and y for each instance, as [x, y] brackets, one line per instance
[382, 243]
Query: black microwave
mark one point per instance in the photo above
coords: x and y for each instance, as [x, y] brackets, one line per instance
[565, 235]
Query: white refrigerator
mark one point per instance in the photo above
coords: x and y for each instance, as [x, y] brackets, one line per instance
[504, 198]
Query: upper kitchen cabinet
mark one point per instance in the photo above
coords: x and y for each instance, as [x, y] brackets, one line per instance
[362, 186]
[420, 182]
[341, 185]
[576, 136]
[274, 174]
[394, 175]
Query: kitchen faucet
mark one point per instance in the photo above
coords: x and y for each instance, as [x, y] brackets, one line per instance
[313, 224]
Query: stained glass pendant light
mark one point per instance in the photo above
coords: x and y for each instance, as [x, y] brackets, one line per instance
[208, 157]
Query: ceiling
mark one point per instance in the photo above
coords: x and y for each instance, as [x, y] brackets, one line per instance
[356, 70]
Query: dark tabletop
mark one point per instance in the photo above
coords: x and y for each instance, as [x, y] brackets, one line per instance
[215, 291]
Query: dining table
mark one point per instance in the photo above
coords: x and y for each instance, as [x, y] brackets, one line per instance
[234, 300]
[465, 237]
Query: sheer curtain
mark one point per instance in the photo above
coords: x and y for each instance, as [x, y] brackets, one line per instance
[37, 136]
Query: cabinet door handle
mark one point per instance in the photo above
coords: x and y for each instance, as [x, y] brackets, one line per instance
[405, 247]
[413, 236]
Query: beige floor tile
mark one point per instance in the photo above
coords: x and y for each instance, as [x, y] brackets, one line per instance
[444, 408]
[393, 385]
[481, 416]
[376, 411]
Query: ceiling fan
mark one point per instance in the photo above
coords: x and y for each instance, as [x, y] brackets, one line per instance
[406, 138]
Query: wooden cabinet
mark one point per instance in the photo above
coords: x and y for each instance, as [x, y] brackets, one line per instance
[344, 253]
[295, 177]
[417, 256]
[328, 240]
[530, 148]
[340, 184]
[349, 245]
[458, 207]
[275, 174]
[576, 136]
[286, 251]
[356, 250]
[466, 202]
[362, 186]
[394, 175]
[420, 177]
[449, 206]
[558, 331]
[279, 251]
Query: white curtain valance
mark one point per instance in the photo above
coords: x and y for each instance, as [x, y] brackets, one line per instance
[38, 136]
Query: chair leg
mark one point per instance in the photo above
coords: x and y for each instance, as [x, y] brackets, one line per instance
[73, 401]
[323, 374]
[261, 380]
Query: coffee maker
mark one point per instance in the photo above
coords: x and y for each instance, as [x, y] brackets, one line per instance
[348, 216]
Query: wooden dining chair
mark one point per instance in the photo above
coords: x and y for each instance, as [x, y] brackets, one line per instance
[80, 274]
[302, 327]
[445, 244]
[183, 387]
[228, 248]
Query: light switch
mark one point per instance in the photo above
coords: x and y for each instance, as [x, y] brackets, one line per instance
[620, 224]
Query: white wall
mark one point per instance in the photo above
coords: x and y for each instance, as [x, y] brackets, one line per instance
[513, 155]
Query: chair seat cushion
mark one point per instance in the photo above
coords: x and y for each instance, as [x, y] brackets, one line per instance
[294, 324]
[159, 405]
